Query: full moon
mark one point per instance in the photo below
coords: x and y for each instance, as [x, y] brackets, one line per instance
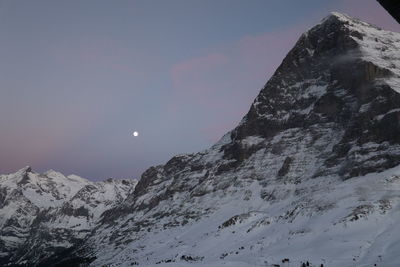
[135, 133]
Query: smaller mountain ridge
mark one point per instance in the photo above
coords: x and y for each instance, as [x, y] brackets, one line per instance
[43, 212]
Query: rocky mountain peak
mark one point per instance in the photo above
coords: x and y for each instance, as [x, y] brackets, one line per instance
[336, 17]
[25, 169]
[340, 74]
[23, 175]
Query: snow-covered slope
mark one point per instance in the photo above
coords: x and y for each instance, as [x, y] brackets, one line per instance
[43, 212]
[311, 173]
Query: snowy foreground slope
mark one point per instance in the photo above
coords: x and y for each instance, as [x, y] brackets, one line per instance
[311, 173]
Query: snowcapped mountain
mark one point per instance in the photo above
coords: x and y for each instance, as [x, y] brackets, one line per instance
[40, 213]
[311, 174]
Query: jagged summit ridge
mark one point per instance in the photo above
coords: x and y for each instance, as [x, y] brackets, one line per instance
[376, 44]
[338, 16]
[343, 18]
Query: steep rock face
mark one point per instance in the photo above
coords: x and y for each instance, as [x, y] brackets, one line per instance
[329, 113]
[44, 213]
[336, 77]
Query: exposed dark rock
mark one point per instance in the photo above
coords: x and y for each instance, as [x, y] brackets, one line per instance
[285, 167]
[25, 177]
